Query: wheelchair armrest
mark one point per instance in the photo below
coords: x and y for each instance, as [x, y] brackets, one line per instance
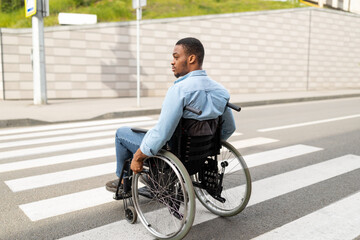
[139, 130]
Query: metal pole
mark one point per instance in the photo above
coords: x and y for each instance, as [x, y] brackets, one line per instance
[349, 7]
[138, 17]
[39, 73]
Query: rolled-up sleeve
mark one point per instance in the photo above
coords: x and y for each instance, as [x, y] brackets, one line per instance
[171, 113]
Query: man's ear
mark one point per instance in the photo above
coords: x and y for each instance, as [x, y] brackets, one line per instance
[192, 58]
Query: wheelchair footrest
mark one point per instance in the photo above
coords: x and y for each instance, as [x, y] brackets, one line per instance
[145, 192]
[122, 195]
[219, 198]
[177, 215]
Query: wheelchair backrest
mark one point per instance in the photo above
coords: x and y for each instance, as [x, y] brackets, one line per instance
[194, 141]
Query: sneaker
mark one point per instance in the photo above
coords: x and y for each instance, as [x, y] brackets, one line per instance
[111, 186]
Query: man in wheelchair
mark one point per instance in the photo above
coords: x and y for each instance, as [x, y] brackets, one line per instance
[194, 89]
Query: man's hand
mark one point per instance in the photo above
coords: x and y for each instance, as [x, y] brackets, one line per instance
[137, 161]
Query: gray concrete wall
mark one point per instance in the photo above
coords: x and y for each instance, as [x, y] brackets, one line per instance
[283, 50]
[1, 69]
[334, 58]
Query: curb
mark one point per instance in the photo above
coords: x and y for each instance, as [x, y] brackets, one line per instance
[135, 113]
[292, 100]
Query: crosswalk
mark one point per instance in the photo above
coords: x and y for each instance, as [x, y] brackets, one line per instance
[346, 220]
[32, 148]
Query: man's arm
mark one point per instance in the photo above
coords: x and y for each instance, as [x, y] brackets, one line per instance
[171, 113]
[228, 127]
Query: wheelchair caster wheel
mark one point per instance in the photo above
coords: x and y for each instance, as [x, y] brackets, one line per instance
[131, 214]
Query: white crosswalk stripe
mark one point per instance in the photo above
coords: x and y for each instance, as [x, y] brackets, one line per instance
[72, 125]
[60, 177]
[66, 204]
[309, 123]
[103, 133]
[284, 183]
[343, 214]
[72, 131]
[65, 158]
[78, 140]
[252, 142]
[275, 155]
[262, 190]
[101, 169]
[56, 148]
[57, 139]
[43, 180]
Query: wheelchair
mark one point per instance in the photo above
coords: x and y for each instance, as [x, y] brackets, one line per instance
[163, 194]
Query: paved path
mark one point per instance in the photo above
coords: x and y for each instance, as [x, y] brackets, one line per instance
[304, 161]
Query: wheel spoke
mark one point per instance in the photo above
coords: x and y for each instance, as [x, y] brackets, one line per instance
[236, 175]
[166, 215]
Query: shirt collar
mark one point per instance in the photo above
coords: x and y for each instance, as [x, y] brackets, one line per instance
[191, 74]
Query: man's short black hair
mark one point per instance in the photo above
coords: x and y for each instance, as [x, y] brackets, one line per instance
[193, 46]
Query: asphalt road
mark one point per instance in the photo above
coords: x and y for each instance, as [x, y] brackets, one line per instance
[305, 184]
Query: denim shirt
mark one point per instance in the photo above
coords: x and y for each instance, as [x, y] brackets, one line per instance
[196, 90]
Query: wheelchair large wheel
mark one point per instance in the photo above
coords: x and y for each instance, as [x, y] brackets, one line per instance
[236, 183]
[164, 196]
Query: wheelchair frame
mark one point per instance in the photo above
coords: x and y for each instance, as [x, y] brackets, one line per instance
[206, 182]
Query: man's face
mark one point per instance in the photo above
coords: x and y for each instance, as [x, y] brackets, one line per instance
[179, 62]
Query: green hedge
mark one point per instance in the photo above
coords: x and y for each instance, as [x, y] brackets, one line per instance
[10, 5]
[13, 14]
[85, 2]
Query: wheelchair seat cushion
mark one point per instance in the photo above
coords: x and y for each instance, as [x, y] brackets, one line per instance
[194, 141]
[194, 128]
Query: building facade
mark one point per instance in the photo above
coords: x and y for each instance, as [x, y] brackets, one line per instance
[345, 5]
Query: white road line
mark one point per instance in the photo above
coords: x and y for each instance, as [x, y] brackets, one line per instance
[66, 203]
[235, 134]
[46, 161]
[252, 142]
[263, 190]
[308, 123]
[339, 220]
[48, 179]
[72, 125]
[116, 230]
[6, 167]
[270, 156]
[75, 130]
[37, 181]
[284, 183]
[55, 148]
[40, 180]
[73, 136]
[86, 136]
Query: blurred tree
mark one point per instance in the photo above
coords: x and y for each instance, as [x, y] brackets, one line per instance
[85, 2]
[10, 5]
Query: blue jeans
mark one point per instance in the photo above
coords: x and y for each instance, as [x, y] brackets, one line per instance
[127, 143]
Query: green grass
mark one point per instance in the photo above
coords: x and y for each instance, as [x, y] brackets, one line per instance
[121, 10]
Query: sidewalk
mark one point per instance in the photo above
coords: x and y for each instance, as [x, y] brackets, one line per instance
[24, 113]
